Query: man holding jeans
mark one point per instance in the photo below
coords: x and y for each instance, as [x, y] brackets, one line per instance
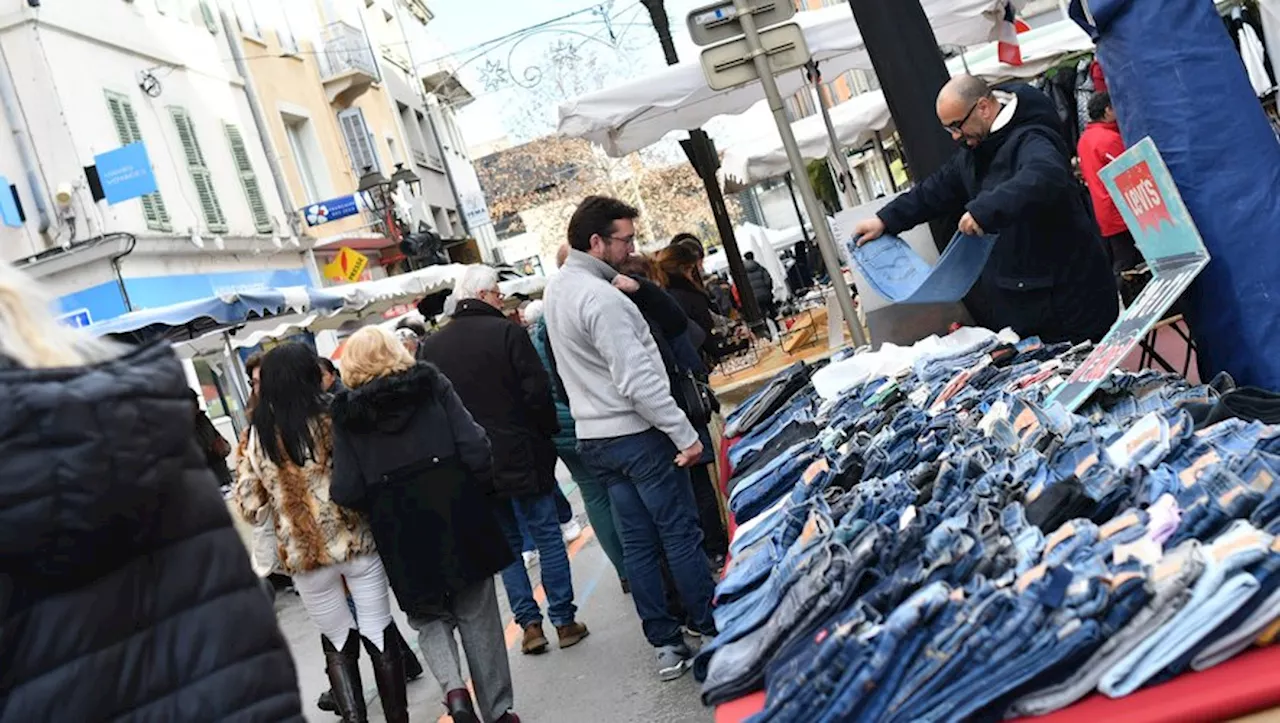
[631, 432]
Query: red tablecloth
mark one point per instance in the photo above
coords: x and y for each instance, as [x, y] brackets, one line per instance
[1244, 685]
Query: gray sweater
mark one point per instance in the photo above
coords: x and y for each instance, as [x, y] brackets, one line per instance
[607, 358]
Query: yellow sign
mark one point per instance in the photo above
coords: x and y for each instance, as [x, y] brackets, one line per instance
[348, 265]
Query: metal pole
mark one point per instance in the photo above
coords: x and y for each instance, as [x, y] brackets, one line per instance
[236, 372]
[884, 159]
[820, 227]
[791, 187]
[838, 159]
[705, 163]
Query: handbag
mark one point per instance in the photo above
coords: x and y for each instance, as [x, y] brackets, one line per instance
[699, 402]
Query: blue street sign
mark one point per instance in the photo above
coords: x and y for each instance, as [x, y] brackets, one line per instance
[125, 173]
[318, 214]
[78, 319]
[8, 207]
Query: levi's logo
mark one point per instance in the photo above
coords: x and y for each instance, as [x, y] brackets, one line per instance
[1142, 196]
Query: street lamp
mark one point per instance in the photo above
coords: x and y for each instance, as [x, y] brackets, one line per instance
[373, 190]
[408, 178]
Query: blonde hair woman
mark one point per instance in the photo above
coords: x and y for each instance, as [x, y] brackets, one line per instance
[110, 519]
[284, 476]
[409, 455]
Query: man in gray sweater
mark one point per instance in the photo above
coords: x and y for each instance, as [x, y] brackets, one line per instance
[630, 430]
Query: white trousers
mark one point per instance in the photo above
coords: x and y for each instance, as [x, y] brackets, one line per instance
[326, 602]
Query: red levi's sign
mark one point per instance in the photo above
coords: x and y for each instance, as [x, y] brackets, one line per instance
[1142, 196]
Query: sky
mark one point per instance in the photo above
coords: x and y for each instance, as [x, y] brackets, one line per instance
[463, 24]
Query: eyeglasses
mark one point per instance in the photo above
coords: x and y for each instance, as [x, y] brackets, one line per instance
[958, 126]
[495, 293]
[629, 240]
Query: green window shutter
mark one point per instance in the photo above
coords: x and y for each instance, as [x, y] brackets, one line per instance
[214, 219]
[126, 123]
[248, 179]
[210, 20]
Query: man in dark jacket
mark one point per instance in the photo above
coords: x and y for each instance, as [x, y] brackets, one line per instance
[1048, 274]
[761, 285]
[497, 373]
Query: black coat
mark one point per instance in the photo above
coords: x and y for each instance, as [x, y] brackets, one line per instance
[125, 591]
[696, 305]
[1048, 274]
[501, 381]
[760, 280]
[409, 455]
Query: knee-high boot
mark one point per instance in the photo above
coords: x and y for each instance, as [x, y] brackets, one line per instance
[343, 667]
[388, 671]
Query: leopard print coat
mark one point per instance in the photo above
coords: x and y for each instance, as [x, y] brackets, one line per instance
[311, 531]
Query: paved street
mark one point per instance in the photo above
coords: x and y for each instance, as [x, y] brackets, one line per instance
[608, 677]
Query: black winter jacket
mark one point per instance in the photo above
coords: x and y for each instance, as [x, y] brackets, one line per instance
[1048, 274]
[409, 455]
[760, 280]
[497, 373]
[125, 592]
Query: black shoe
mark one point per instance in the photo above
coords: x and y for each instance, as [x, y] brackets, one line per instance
[388, 671]
[343, 667]
[325, 702]
[458, 703]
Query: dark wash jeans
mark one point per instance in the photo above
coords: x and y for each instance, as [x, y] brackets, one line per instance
[655, 510]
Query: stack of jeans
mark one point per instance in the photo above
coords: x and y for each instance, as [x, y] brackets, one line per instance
[945, 546]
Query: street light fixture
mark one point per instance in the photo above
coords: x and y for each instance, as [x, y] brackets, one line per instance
[373, 190]
[408, 178]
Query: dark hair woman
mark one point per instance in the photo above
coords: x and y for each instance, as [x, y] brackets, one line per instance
[409, 455]
[284, 476]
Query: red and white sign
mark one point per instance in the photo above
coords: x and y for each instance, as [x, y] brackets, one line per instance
[1142, 195]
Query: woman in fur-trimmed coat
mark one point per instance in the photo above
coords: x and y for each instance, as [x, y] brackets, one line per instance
[284, 476]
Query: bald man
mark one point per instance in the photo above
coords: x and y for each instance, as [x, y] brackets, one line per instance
[1048, 275]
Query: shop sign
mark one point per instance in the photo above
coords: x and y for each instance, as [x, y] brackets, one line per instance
[1144, 191]
[125, 173]
[78, 319]
[318, 214]
[348, 265]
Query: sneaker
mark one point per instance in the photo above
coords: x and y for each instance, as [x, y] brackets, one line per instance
[571, 530]
[531, 558]
[571, 634]
[535, 642]
[674, 661]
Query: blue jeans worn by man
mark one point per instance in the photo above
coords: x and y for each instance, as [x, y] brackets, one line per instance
[654, 507]
[543, 524]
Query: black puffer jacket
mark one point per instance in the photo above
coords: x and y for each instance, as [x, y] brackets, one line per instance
[125, 592]
[1048, 274]
[761, 281]
[496, 372]
[409, 455]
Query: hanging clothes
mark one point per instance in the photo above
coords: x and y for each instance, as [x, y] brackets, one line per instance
[1252, 52]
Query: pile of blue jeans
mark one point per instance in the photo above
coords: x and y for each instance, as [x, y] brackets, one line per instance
[945, 546]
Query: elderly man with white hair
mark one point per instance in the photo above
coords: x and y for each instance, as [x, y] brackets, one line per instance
[497, 373]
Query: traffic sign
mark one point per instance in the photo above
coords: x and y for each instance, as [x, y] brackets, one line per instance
[730, 64]
[719, 21]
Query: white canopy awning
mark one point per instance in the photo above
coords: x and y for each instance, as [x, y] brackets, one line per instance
[639, 113]
[856, 120]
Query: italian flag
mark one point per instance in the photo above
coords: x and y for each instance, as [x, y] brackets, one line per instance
[1009, 51]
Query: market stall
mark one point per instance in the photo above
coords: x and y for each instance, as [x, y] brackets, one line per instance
[919, 535]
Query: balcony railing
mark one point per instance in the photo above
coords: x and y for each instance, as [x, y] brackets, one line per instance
[346, 50]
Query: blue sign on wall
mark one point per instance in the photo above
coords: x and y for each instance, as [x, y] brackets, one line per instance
[78, 319]
[8, 207]
[318, 214]
[125, 173]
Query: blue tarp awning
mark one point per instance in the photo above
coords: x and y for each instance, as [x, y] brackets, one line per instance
[190, 319]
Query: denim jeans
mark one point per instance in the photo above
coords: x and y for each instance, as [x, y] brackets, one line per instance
[654, 507]
[539, 512]
[564, 513]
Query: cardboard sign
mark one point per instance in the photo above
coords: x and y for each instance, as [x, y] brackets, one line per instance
[1144, 191]
[348, 265]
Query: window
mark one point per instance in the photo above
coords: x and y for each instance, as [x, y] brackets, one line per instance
[126, 123]
[210, 18]
[215, 221]
[300, 144]
[248, 19]
[248, 179]
[395, 150]
[360, 144]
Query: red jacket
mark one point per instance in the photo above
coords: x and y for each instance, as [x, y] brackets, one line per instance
[1100, 144]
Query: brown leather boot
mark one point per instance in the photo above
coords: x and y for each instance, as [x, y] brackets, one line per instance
[458, 703]
[571, 634]
[535, 643]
